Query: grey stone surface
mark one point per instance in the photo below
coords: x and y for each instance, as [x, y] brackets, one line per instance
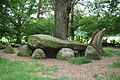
[65, 53]
[92, 53]
[24, 51]
[38, 54]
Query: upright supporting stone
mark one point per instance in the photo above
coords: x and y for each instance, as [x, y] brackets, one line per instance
[96, 42]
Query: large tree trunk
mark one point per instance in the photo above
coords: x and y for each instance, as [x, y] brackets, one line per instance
[18, 30]
[62, 9]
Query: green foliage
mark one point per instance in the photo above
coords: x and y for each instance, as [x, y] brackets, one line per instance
[38, 26]
[111, 52]
[92, 23]
[9, 50]
[100, 17]
[79, 60]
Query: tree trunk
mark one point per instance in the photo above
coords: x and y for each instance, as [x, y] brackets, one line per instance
[62, 9]
[18, 30]
[39, 6]
[18, 35]
[72, 27]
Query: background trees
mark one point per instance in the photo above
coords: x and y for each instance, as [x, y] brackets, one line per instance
[73, 19]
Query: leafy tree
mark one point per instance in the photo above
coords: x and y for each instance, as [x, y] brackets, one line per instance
[102, 15]
[17, 12]
[38, 26]
[3, 20]
[44, 6]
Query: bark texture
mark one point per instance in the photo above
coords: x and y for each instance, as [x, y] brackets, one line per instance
[62, 10]
[39, 6]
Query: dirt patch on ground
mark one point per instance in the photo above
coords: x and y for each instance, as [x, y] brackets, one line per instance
[77, 71]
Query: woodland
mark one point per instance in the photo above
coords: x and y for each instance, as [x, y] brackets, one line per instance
[59, 39]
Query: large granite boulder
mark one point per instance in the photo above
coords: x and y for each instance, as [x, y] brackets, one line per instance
[40, 40]
[52, 45]
[92, 53]
[24, 51]
[9, 50]
[65, 53]
[38, 54]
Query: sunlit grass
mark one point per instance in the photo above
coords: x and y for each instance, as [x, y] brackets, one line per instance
[108, 76]
[27, 70]
[111, 52]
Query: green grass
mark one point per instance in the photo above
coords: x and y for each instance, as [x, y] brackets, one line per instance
[115, 77]
[115, 64]
[108, 54]
[79, 60]
[111, 52]
[95, 75]
[26, 70]
[109, 76]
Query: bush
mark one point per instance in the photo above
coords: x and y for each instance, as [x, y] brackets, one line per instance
[79, 60]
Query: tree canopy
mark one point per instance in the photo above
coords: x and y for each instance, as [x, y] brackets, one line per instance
[72, 19]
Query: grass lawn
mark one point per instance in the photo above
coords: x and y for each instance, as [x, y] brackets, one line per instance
[79, 60]
[111, 52]
[26, 70]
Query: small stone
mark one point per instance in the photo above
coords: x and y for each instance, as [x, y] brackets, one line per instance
[38, 54]
[9, 50]
[24, 51]
[65, 53]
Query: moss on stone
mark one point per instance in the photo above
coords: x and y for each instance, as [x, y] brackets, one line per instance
[92, 53]
[9, 50]
[40, 40]
[24, 51]
[38, 54]
[93, 56]
[65, 54]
